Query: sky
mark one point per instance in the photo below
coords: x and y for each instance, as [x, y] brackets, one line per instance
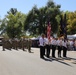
[26, 5]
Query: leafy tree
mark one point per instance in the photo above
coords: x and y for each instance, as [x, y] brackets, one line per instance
[15, 25]
[12, 11]
[71, 22]
[3, 24]
[37, 19]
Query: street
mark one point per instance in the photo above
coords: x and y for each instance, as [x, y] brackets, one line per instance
[24, 63]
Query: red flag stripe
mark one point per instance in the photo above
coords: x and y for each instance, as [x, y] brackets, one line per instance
[48, 31]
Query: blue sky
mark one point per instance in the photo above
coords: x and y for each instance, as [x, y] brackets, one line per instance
[25, 5]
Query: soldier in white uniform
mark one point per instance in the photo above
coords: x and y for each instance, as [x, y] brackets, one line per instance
[42, 46]
[59, 46]
[53, 43]
[48, 43]
[64, 47]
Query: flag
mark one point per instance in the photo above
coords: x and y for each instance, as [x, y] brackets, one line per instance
[65, 30]
[48, 30]
[61, 26]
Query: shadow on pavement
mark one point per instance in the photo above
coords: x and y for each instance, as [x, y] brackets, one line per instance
[63, 63]
[69, 58]
[46, 59]
[60, 60]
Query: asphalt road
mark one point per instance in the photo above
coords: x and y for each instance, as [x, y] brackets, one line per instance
[23, 63]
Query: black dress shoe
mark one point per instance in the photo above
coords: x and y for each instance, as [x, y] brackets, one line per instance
[64, 57]
[53, 56]
[59, 56]
[42, 57]
[48, 56]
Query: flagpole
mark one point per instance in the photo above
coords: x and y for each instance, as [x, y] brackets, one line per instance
[65, 29]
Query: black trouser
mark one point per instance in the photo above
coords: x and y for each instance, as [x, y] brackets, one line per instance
[53, 50]
[47, 50]
[64, 51]
[59, 51]
[42, 51]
